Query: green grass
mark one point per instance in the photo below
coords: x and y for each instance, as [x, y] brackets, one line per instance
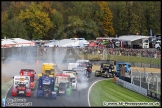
[134, 59]
[5, 87]
[108, 91]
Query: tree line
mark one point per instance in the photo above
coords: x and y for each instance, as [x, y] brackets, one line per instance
[86, 19]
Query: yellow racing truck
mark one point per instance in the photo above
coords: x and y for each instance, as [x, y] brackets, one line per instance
[48, 69]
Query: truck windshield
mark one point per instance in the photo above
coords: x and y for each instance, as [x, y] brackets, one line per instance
[146, 41]
[45, 86]
[73, 80]
[48, 71]
[62, 85]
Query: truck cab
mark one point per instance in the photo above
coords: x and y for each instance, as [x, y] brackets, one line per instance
[48, 69]
[21, 86]
[61, 81]
[82, 74]
[127, 68]
[73, 76]
[46, 87]
[31, 73]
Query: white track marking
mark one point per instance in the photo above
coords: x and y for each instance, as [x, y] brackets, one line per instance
[89, 90]
[8, 90]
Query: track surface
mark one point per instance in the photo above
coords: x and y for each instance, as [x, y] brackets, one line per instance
[78, 98]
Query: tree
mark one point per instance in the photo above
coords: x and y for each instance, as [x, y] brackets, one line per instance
[37, 21]
[14, 28]
[57, 20]
[107, 19]
[4, 17]
[16, 7]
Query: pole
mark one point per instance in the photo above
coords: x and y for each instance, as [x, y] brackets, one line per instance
[140, 59]
[115, 54]
[148, 84]
[131, 77]
[140, 79]
[156, 84]
[3, 54]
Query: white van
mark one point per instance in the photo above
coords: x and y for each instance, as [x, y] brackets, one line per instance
[158, 45]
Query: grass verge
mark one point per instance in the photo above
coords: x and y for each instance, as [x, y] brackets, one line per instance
[108, 91]
[5, 87]
[134, 59]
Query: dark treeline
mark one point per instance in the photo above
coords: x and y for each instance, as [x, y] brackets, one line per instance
[58, 20]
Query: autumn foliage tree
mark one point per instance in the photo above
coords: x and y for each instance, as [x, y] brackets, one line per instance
[84, 19]
[37, 21]
[107, 19]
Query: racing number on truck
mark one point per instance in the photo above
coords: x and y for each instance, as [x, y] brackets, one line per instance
[21, 79]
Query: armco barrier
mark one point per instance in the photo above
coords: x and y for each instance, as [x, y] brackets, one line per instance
[132, 87]
[138, 89]
[154, 95]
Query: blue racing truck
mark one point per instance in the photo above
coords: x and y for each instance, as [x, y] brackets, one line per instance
[46, 87]
[127, 68]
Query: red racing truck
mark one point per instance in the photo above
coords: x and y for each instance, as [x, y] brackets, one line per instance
[31, 73]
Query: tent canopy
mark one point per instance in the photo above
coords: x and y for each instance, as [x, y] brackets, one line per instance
[132, 37]
[7, 42]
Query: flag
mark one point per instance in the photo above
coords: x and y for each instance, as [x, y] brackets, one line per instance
[150, 32]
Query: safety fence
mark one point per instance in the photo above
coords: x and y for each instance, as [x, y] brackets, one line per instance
[131, 86]
[150, 81]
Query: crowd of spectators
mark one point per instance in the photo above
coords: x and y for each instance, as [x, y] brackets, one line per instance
[153, 53]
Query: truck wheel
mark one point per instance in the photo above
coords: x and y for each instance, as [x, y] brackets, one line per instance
[95, 74]
[76, 88]
[88, 75]
[106, 76]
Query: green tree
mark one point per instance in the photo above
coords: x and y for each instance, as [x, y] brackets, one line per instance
[37, 21]
[57, 20]
[14, 28]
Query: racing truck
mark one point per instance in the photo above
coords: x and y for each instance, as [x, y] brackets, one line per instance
[21, 86]
[63, 84]
[84, 63]
[123, 68]
[73, 76]
[87, 64]
[82, 74]
[106, 70]
[48, 69]
[46, 87]
[31, 73]
[72, 65]
[81, 63]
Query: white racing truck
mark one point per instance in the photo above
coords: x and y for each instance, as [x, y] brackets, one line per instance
[72, 65]
[82, 74]
[21, 86]
[73, 76]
